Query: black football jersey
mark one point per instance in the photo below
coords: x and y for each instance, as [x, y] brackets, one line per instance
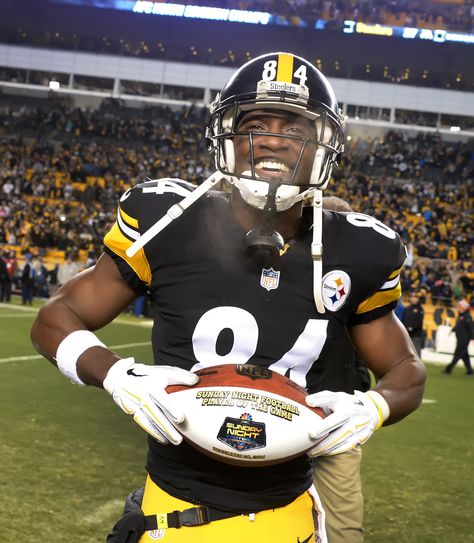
[213, 305]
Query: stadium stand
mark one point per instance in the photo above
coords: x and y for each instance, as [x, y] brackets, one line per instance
[63, 169]
[67, 156]
[188, 40]
[446, 14]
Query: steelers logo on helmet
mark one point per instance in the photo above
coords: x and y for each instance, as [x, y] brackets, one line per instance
[336, 286]
[285, 83]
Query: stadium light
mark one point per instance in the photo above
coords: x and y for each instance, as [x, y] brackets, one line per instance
[54, 85]
[455, 128]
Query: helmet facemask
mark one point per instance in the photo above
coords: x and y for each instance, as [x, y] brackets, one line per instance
[323, 146]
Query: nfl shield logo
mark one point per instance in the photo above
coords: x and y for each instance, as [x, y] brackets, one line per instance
[270, 278]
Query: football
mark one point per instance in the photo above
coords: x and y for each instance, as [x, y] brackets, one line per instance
[246, 415]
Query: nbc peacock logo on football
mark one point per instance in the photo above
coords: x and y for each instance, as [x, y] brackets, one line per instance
[335, 289]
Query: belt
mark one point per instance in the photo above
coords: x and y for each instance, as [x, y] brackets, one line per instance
[194, 516]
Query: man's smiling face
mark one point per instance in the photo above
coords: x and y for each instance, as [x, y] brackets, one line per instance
[277, 140]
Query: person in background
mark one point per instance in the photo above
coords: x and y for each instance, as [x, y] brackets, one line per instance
[337, 478]
[68, 269]
[41, 279]
[464, 330]
[12, 267]
[139, 306]
[412, 319]
[4, 278]
[28, 276]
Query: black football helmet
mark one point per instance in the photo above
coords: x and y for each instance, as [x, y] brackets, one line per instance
[277, 81]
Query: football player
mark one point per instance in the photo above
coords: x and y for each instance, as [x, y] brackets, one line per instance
[236, 278]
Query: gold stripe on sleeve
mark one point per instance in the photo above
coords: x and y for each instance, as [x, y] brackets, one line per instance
[127, 219]
[379, 299]
[117, 242]
[394, 273]
[285, 68]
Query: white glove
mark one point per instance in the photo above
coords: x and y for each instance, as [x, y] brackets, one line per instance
[351, 420]
[139, 390]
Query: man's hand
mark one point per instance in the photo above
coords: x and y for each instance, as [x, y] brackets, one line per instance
[139, 390]
[351, 420]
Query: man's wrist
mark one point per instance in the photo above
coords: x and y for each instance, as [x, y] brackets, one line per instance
[77, 358]
[93, 365]
[71, 348]
[383, 409]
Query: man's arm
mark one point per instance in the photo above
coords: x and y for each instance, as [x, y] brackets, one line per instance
[89, 301]
[387, 350]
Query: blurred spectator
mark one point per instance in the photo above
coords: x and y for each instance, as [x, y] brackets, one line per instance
[412, 319]
[139, 306]
[400, 309]
[464, 330]
[69, 268]
[4, 279]
[53, 276]
[466, 278]
[41, 280]
[441, 293]
[7, 271]
[28, 280]
[12, 268]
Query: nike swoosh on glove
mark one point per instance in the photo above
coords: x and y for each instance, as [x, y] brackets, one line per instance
[351, 420]
[140, 390]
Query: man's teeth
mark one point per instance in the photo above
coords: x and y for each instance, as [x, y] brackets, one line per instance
[273, 166]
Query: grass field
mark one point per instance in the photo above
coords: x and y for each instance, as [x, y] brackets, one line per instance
[69, 456]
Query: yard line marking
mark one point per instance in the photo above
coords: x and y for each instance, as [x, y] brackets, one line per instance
[19, 358]
[427, 400]
[105, 511]
[143, 323]
[16, 315]
[20, 307]
[38, 356]
[127, 345]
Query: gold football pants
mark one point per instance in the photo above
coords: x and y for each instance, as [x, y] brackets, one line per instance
[293, 523]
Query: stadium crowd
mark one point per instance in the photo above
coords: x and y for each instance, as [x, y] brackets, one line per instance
[453, 16]
[419, 13]
[63, 168]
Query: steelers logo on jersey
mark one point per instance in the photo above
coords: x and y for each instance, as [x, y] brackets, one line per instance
[156, 534]
[336, 287]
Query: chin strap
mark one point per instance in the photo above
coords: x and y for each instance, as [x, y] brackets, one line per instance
[174, 212]
[317, 249]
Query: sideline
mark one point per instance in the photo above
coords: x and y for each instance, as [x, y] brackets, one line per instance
[38, 356]
[16, 315]
[142, 323]
[19, 307]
